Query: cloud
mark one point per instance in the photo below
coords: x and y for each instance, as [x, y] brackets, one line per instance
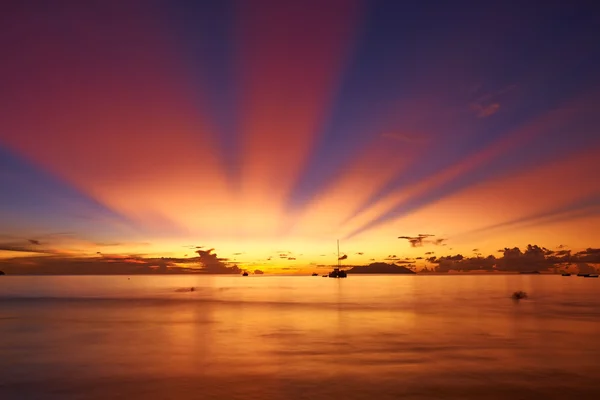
[57, 264]
[588, 255]
[532, 258]
[489, 104]
[258, 272]
[343, 257]
[28, 246]
[484, 111]
[212, 264]
[417, 241]
[107, 264]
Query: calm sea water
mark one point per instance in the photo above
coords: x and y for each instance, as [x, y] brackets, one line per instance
[269, 337]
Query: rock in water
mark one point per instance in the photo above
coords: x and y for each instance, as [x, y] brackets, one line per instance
[519, 295]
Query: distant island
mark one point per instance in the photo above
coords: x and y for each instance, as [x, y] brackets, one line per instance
[380, 268]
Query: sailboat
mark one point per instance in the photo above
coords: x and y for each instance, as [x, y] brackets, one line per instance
[338, 272]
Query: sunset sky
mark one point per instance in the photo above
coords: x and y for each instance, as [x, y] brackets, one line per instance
[266, 130]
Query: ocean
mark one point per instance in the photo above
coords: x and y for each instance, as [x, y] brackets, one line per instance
[291, 337]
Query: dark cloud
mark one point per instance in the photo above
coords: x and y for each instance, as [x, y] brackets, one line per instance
[532, 258]
[360, 253]
[421, 239]
[106, 265]
[419, 258]
[27, 246]
[415, 241]
[343, 257]
[212, 264]
[258, 272]
[291, 258]
[111, 264]
[588, 255]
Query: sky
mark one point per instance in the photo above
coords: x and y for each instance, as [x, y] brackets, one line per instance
[184, 135]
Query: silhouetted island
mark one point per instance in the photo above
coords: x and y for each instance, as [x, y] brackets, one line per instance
[1, 273]
[380, 268]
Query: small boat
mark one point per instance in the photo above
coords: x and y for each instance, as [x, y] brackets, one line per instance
[338, 272]
[566, 274]
[245, 274]
[584, 275]
[591, 276]
[315, 274]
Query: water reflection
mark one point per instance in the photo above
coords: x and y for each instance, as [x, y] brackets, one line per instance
[280, 337]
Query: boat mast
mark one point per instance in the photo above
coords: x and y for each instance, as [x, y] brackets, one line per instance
[338, 243]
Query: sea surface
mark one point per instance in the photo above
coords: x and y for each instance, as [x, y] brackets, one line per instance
[286, 337]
